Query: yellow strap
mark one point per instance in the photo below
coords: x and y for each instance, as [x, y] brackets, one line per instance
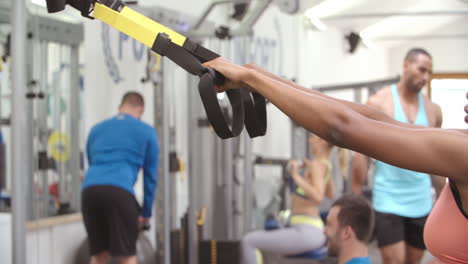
[306, 220]
[135, 25]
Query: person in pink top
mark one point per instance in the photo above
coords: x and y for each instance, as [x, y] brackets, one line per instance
[371, 132]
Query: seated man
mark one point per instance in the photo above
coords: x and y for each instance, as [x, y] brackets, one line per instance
[305, 231]
[349, 228]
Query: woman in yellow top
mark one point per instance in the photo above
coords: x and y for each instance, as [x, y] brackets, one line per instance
[305, 230]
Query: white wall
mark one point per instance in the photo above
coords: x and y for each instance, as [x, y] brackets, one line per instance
[55, 244]
[449, 55]
[326, 61]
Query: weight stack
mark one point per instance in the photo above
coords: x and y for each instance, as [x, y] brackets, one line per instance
[219, 252]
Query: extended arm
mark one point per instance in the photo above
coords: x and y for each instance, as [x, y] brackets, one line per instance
[433, 151]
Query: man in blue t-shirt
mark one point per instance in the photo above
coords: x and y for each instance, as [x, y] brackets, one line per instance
[117, 149]
[349, 228]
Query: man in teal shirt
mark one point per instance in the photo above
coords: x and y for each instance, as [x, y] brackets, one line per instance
[402, 198]
[349, 228]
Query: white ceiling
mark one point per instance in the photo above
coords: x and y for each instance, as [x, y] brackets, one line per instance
[385, 28]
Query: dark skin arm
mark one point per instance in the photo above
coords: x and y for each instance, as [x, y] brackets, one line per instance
[365, 110]
[429, 150]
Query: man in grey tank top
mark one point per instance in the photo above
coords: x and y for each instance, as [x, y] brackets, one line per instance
[402, 198]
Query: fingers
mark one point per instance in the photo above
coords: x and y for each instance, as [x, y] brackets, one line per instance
[466, 109]
[251, 66]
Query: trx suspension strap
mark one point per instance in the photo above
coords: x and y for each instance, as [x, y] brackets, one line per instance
[248, 108]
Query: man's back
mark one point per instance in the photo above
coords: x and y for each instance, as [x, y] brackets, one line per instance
[117, 148]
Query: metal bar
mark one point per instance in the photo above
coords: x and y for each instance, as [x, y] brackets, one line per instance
[210, 8]
[423, 37]
[193, 152]
[246, 27]
[42, 119]
[75, 127]
[162, 204]
[207, 12]
[396, 14]
[166, 217]
[57, 116]
[19, 132]
[248, 161]
[32, 202]
[248, 182]
[228, 187]
[358, 96]
[382, 82]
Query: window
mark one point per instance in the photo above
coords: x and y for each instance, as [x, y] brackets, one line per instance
[449, 92]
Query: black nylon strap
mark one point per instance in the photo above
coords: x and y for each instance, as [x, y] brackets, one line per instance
[213, 110]
[182, 57]
[202, 53]
[255, 113]
[254, 103]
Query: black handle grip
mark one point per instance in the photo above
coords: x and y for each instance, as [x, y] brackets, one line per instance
[219, 120]
[146, 226]
[218, 78]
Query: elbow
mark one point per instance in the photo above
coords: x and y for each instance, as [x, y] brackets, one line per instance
[339, 129]
[317, 196]
[320, 197]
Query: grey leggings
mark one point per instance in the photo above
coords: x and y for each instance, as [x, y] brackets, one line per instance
[292, 240]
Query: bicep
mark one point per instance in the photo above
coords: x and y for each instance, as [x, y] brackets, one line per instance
[433, 151]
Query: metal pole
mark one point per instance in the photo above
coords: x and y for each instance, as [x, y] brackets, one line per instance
[42, 122]
[166, 217]
[33, 202]
[397, 14]
[75, 127]
[193, 152]
[248, 162]
[228, 187]
[382, 82]
[423, 37]
[162, 204]
[19, 132]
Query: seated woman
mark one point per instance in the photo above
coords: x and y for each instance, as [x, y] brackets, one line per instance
[305, 230]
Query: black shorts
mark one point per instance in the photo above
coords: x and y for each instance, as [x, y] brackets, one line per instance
[392, 228]
[110, 216]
